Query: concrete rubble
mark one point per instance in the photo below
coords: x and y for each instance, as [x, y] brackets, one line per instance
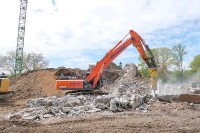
[130, 82]
[41, 108]
[126, 93]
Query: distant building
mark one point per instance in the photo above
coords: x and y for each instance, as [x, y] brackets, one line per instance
[120, 65]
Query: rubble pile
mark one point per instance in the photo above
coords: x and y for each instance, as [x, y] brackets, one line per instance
[129, 81]
[126, 93]
[70, 105]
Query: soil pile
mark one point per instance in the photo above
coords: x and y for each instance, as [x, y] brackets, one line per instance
[111, 73]
[76, 72]
[112, 67]
[35, 84]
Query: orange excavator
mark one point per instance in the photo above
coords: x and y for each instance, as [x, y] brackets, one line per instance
[93, 80]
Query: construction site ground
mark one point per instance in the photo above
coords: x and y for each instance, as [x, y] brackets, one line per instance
[161, 116]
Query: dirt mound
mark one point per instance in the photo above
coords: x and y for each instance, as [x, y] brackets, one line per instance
[35, 84]
[110, 76]
[111, 73]
[76, 72]
[112, 67]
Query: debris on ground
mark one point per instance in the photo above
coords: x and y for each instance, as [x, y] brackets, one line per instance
[129, 81]
[70, 105]
[126, 92]
[128, 106]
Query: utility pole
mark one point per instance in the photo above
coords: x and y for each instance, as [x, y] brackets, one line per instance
[20, 38]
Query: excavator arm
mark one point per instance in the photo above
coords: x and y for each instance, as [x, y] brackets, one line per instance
[140, 45]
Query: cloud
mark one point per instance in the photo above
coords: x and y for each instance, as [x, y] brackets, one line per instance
[80, 29]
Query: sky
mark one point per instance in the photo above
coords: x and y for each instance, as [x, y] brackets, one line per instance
[75, 33]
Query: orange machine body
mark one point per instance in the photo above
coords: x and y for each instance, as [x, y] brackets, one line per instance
[69, 84]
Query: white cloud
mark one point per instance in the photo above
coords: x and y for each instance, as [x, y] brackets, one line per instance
[64, 28]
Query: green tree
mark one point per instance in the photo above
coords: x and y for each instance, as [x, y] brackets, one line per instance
[195, 68]
[164, 60]
[195, 63]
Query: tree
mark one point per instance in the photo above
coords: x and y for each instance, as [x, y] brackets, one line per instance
[7, 62]
[165, 62]
[164, 59]
[178, 53]
[195, 68]
[31, 61]
[195, 63]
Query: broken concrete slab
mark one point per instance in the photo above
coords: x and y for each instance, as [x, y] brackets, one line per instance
[47, 116]
[114, 103]
[94, 110]
[101, 106]
[29, 116]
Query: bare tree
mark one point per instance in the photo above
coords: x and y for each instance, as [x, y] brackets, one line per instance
[31, 61]
[7, 62]
[179, 52]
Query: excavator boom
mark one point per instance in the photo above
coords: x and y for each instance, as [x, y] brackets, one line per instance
[140, 45]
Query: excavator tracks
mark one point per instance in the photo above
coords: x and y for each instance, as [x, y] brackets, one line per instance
[86, 92]
[4, 95]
